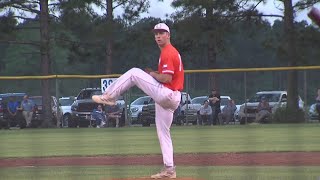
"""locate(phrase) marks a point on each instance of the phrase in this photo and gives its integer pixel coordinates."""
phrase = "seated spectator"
(263, 110)
(227, 113)
(13, 107)
(205, 113)
(113, 114)
(99, 116)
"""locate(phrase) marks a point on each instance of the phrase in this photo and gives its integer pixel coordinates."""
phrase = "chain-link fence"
(239, 84)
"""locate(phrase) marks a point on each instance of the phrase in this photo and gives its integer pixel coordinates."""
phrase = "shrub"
(288, 115)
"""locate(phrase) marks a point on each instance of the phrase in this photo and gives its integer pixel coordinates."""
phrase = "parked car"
(148, 111)
(191, 111)
(4, 121)
(197, 102)
(276, 99)
(38, 118)
(83, 106)
(65, 104)
(313, 114)
(136, 109)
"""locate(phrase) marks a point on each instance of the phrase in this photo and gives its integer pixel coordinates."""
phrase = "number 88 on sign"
(106, 82)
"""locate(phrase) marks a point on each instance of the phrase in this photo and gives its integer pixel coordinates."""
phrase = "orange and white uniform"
(167, 96)
(170, 63)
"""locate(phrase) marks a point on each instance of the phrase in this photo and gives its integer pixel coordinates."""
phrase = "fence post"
(59, 119)
(127, 111)
(187, 91)
(245, 97)
(305, 95)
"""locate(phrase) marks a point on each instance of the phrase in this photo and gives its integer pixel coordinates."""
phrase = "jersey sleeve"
(167, 64)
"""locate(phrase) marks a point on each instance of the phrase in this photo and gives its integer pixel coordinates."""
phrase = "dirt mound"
(147, 178)
(215, 159)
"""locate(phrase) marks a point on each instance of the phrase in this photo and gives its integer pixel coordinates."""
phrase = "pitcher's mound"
(147, 178)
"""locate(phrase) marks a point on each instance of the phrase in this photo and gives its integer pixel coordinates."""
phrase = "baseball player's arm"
(164, 78)
(148, 70)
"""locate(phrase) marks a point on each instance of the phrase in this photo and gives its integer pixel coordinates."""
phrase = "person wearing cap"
(163, 86)
(263, 110)
(205, 113)
(227, 112)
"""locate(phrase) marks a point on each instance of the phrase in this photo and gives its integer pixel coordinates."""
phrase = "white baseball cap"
(161, 26)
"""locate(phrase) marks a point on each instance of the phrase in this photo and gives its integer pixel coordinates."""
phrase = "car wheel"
(72, 123)
(146, 123)
(243, 121)
(66, 119)
(139, 118)
(179, 120)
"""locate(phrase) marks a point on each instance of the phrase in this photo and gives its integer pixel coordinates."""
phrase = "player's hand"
(148, 70)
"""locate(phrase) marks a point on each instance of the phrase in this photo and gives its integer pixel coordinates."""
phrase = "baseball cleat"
(166, 173)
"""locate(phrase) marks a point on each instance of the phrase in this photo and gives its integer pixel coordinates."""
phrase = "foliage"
(287, 115)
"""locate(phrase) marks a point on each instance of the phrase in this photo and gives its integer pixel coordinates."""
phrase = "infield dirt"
(215, 159)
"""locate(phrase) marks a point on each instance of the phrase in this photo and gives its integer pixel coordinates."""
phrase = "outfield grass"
(206, 173)
(143, 140)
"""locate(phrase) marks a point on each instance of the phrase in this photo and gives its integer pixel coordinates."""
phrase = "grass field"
(139, 140)
(207, 173)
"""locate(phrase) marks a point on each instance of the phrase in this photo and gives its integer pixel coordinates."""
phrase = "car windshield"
(37, 100)
(224, 101)
(198, 100)
(140, 101)
(4, 98)
(15, 98)
(66, 102)
(88, 94)
(269, 97)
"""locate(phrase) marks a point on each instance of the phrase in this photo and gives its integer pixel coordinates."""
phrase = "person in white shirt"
(205, 113)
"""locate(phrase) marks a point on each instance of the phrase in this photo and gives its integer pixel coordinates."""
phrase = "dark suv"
(4, 114)
(83, 106)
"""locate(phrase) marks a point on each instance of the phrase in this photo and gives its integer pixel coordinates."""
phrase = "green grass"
(207, 173)
(139, 140)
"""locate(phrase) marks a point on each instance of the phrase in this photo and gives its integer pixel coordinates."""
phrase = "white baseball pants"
(166, 100)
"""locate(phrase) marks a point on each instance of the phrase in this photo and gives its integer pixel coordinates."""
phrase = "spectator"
(205, 113)
(263, 110)
(99, 116)
(113, 113)
(318, 103)
(227, 113)
(27, 107)
(12, 111)
(214, 102)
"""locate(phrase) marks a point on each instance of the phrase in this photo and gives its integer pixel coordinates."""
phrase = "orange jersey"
(170, 63)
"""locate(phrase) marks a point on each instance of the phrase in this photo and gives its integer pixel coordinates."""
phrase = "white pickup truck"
(276, 99)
